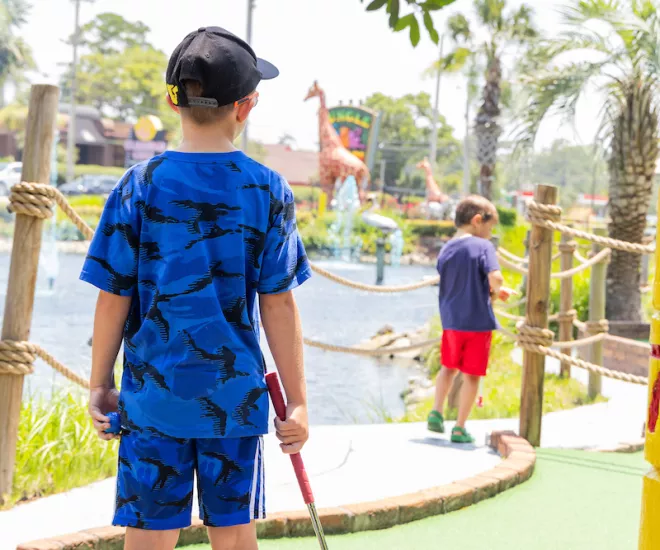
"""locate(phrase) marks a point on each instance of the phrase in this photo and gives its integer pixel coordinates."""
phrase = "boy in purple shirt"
(470, 278)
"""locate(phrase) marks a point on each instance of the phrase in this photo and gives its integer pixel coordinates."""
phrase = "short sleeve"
(112, 259)
(489, 261)
(285, 265)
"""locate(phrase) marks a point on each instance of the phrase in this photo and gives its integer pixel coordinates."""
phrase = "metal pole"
(434, 121)
(250, 11)
(71, 131)
(466, 145)
(380, 260)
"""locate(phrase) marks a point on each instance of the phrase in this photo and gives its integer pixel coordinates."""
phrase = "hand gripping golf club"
(277, 398)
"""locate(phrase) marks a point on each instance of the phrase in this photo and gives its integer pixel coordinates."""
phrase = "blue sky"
(350, 52)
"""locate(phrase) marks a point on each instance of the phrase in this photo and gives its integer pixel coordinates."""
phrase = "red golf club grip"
(277, 397)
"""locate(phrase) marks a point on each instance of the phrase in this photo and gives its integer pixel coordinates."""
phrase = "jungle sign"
(355, 128)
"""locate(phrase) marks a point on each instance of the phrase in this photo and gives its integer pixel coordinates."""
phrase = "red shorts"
(466, 351)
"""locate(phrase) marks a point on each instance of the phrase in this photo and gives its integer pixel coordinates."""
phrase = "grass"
(575, 500)
(501, 391)
(58, 448)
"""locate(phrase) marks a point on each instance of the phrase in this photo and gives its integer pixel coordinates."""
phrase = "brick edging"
(517, 467)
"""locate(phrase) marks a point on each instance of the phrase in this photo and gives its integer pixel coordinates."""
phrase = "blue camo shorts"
(156, 475)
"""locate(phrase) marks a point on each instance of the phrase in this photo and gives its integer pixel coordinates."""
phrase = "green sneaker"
(436, 423)
(460, 435)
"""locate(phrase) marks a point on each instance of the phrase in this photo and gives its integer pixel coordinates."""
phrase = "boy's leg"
(239, 537)
(139, 539)
(154, 489)
(467, 398)
(443, 383)
(474, 367)
(231, 484)
(451, 356)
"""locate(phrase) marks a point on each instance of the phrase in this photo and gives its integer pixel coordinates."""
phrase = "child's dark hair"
(470, 206)
(203, 115)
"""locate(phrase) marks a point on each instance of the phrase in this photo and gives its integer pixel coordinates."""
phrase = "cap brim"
(268, 70)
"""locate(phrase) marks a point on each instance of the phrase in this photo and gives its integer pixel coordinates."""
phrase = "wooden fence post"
(596, 313)
(566, 248)
(538, 299)
(39, 136)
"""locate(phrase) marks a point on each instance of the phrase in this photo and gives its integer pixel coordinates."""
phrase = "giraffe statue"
(336, 162)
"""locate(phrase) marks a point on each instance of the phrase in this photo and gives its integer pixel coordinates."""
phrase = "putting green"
(576, 500)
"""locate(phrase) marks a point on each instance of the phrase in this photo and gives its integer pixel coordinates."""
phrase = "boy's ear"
(243, 111)
(172, 106)
(476, 219)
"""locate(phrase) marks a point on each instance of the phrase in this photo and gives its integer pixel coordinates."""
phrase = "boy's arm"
(109, 319)
(495, 280)
(282, 326)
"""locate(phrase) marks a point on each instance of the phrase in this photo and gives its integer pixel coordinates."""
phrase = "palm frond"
(554, 91)
(454, 62)
(459, 28)
(521, 25)
(491, 13)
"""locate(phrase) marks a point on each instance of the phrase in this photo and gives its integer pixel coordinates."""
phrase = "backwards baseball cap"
(225, 66)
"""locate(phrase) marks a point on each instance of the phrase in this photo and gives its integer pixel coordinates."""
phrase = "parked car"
(10, 175)
(89, 185)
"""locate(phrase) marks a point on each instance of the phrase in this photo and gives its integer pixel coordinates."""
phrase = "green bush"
(58, 448)
(301, 193)
(508, 216)
(431, 228)
(89, 170)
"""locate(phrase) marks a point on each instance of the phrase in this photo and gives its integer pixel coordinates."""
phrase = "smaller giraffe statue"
(336, 162)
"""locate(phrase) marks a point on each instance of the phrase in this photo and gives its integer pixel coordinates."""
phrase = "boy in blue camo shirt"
(186, 243)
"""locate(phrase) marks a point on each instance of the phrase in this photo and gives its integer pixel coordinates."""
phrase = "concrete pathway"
(360, 463)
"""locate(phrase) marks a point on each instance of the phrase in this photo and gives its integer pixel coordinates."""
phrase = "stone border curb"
(517, 467)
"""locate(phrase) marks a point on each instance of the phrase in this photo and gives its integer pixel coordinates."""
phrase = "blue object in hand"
(115, 423)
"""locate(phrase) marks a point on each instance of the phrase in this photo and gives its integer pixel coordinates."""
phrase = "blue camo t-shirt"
(464, 264)
(192, 238)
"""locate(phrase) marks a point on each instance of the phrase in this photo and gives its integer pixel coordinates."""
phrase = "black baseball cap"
(225, 65)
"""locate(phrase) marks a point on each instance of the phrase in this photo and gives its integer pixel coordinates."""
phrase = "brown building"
(297, 167)
(99, 141)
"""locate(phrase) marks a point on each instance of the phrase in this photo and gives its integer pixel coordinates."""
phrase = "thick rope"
(432, 281)
(36, 199)
(602, 256)
(548, 216)
(371, 352)
(18, 358)
(511, 256)
(512, 265)
(597, 327)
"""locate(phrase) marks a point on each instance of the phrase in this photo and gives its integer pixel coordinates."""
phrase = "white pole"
(466, 145)
(71, 131)
(250, 11)
(434, 121)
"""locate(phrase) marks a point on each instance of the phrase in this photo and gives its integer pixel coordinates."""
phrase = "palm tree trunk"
(487, 129)
(632, 167)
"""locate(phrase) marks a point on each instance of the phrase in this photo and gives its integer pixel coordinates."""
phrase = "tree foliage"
(120, 72)
(15, 53)
(421, 14)
(405, 134)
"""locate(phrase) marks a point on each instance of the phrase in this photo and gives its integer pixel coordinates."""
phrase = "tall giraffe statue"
(335, 160)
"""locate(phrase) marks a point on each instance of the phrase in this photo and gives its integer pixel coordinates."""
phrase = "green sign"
(355, 127)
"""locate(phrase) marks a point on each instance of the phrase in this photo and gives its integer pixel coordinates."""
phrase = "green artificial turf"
(576, 500)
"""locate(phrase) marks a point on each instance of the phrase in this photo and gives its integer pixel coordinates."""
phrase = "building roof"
(298, 167)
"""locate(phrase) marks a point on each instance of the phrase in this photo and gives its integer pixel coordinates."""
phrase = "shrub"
(89, 170)
(508, 216)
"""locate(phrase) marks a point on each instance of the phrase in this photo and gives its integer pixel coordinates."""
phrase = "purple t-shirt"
(464, 264)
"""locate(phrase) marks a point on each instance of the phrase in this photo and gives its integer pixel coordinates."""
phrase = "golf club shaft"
(277, 397)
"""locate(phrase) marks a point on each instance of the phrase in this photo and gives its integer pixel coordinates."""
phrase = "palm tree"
(623, 48)
(503, 30)
(15, 54)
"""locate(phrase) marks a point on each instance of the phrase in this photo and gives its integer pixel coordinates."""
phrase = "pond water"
(342, 388)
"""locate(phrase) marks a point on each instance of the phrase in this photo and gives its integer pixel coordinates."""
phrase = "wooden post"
(538, 298)
(39, 136)
(596, 313)
(567, 248)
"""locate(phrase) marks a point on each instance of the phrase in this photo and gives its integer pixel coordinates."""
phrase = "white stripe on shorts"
(262, 488)
(255, 480)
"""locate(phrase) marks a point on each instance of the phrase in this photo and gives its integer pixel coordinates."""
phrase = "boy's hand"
(293, 433)
(505, 293)
(103, 400)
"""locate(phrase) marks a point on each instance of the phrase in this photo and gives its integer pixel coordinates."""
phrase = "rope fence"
(38, 200)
